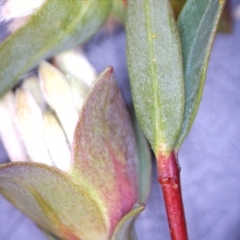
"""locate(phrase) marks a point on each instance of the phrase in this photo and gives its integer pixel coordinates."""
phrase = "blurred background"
(209, 157)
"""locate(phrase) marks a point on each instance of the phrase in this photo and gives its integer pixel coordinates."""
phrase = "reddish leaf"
(104, 150)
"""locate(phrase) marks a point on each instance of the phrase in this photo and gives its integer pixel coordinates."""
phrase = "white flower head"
(18, 11)
(43, 112)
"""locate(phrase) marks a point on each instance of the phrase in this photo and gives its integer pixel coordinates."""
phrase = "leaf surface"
(57, 26)
(124, 229)
(156, 72)
(104, 150)
(52, 200)
(197, 25)
(119, 10)
(145, 163)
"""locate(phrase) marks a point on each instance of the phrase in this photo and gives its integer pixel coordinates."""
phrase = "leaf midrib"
(153, 76)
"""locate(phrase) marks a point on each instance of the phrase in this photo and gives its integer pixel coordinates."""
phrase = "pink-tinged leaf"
(104, 150)
(54, 201)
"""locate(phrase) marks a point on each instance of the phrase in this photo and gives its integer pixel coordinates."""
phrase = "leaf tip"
(109, 70)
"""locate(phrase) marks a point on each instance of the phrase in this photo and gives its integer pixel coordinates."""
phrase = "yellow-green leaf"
(54, 201)
(125, 229)
(57, 26)
(197, 25)
(119, 10)
(156, 71)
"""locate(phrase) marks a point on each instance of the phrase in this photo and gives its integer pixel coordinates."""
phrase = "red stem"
(125, 2)
(169, 178)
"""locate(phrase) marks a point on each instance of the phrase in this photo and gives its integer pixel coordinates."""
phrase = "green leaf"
(52, 200)
(156, 72)
(145, 163)
(197, 25)
(104, 150)
(119, 10)
(124, 229)
(57, 26)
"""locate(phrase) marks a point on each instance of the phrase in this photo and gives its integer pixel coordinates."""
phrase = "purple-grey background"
(209, 157)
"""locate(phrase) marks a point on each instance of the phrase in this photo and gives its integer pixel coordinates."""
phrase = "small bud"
(75, 64)
(29, 122)
(9, 134)
(46, 110)
(56, 142)
(58, 94)
(79, 73)
(31, 84)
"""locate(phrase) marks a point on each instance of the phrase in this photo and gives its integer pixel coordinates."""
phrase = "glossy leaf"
(52, 200)
(124, 229)
(57, 26)
(145, 163)
(197, 25)
(104, 150)
(156, 73)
